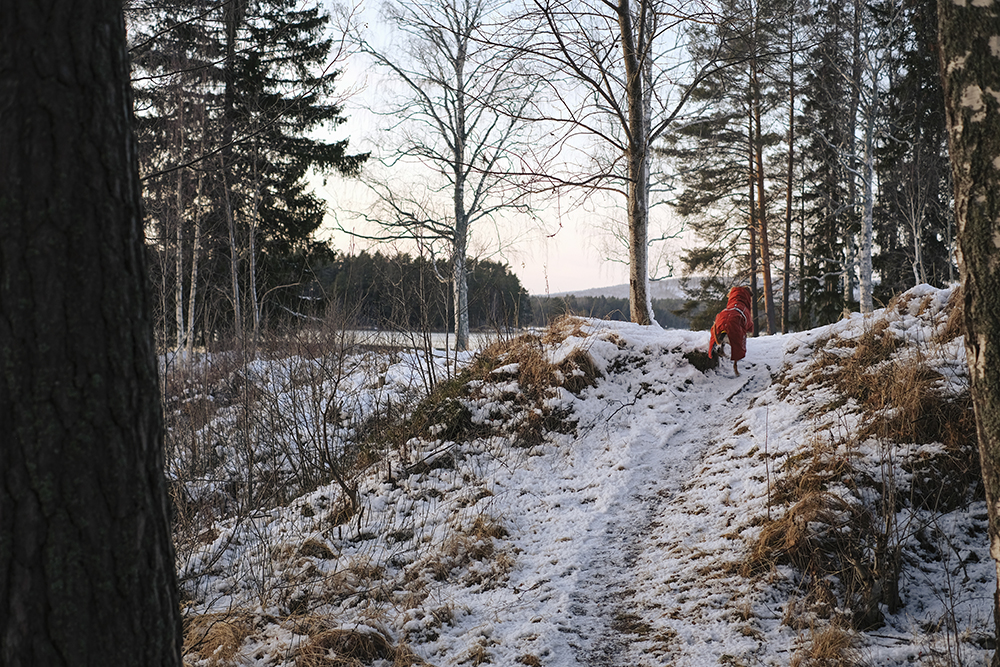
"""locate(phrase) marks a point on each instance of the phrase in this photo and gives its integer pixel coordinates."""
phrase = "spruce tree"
(832, 221)
(261, 78)
(916, 229)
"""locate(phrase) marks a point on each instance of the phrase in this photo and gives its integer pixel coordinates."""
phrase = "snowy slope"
(621, 535)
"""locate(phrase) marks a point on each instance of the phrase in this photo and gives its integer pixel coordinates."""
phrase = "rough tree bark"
(970, 69)
(86, 563)
(758, 149)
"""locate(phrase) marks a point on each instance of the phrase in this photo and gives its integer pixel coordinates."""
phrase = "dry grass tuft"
(352, 648)
(809, 473)
(216, 638)
(806, 536)
(955, 324)
(830, 647)
(485, 526)
(444, 415)
(563, 327)
(579, 371)
(313, 548)
(469, 554)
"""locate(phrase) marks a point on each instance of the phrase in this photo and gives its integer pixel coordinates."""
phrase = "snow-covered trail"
(624, 535)
(589, 551)
(669, 433)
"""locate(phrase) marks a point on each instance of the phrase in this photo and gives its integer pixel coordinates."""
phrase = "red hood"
(739, 296)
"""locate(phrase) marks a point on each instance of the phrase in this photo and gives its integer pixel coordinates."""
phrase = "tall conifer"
(263, 75)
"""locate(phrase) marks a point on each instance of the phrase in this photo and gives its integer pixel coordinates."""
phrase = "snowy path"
(589, 551)
(668, 445)
(623, 536)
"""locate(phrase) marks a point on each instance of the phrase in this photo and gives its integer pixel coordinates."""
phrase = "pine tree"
(722, 153)
(247, 86)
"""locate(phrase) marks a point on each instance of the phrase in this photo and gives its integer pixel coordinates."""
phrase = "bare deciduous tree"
(613, 73)
(460, 117)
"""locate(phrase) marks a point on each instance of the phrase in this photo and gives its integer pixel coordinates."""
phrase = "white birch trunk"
(461, 298)
(179, 264)
(867, 179)
(638, 169)
(252, 250)
(234, 260)
(195, 250)
(919, 275)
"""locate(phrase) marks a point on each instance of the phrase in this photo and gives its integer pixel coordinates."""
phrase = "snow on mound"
(585, 496)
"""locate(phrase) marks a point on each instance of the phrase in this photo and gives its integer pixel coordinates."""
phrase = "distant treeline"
(547, 308)
(380, 290)
(402, 291)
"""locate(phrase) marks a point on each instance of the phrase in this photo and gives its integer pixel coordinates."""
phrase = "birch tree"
(969, 34)
(460, 117)
(613, 72)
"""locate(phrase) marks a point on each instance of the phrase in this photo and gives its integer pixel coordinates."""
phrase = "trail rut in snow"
(663, 450)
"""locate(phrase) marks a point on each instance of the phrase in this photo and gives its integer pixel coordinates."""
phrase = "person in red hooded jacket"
(732, 326)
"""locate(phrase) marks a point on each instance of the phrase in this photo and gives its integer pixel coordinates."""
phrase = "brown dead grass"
(563, 327)
(955, 324)
(352, 648)
(442, 415)
(829, 647)
(454, 556)
(849, 563)
(806, 536)
(216, 638)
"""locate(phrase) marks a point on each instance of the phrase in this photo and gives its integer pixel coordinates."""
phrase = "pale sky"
(546, 261)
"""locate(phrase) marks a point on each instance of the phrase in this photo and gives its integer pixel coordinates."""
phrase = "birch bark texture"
(86, 562)
(969, 35)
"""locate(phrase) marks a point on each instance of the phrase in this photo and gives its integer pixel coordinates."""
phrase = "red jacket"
(735, 322)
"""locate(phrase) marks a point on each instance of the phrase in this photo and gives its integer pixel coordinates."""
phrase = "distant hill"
(668, 288)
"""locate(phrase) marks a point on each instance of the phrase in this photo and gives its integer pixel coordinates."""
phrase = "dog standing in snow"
(732, 326)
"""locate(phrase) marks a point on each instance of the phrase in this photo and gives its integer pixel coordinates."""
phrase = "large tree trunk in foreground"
(86, 562)
(970, 68)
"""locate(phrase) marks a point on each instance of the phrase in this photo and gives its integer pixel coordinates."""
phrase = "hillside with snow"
(587, 496)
